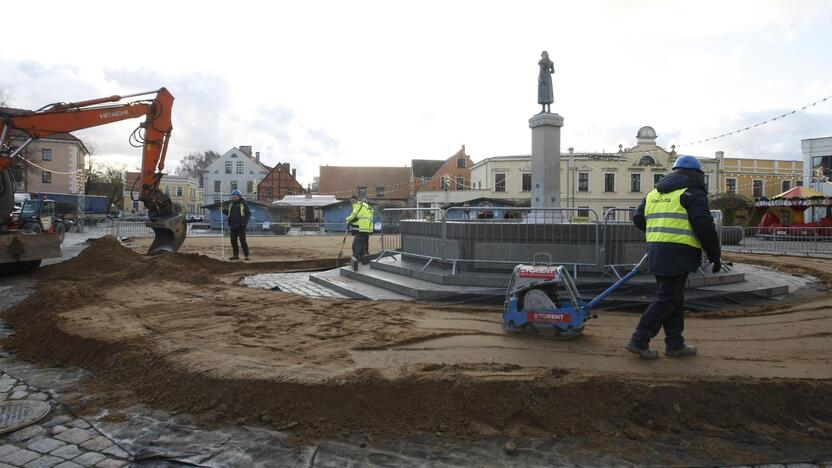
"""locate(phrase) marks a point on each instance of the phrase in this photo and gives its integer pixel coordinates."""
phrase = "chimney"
(294, 173)
(246, 150)
(257, 156)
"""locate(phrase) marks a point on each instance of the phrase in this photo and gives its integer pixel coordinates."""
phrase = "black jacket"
(237, 217)
(670, 259)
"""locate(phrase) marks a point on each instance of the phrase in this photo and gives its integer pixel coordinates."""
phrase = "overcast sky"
(380, 83)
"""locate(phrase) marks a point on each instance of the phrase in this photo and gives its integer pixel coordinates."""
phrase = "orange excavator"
(153, 135)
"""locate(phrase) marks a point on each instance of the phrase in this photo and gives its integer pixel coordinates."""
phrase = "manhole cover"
(17, 414)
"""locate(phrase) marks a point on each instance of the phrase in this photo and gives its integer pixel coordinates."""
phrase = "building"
(371, 182)
(453, 173)
(56, 160)
(279, 182)
(817, 163)
(236, 169)
(182, 190)
(591, 181)
(757, 178)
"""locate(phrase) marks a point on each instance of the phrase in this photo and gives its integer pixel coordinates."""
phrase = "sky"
(381, 83)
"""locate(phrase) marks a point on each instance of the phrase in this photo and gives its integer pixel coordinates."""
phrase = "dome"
(646, 133)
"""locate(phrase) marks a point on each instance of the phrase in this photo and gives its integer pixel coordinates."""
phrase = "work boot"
(234, 258)
(354, 264)
(642, 352)
(684, 350)
(246, 258)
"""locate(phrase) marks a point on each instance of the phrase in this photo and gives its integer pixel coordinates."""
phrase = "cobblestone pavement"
(297, 283)
(59, 440)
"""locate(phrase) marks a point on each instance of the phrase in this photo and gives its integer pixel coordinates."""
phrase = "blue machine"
(534, 305)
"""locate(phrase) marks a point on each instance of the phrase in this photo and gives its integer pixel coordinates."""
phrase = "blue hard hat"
(687, 162)
(237, 192)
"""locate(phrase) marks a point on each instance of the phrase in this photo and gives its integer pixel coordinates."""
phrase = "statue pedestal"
(545, 166)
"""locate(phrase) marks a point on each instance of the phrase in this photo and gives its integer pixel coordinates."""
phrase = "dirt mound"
(168, 330)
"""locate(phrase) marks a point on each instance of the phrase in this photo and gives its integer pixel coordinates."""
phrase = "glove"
(717, 266)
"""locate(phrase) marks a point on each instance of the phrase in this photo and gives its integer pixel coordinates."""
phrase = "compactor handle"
(545, 254)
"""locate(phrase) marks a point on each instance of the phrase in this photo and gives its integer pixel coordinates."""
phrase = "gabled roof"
(425, 167)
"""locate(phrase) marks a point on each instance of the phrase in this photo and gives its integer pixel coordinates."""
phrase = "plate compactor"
(535, 306)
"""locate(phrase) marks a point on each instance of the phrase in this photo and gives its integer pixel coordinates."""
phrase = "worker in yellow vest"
(361, 222)
(678, 224)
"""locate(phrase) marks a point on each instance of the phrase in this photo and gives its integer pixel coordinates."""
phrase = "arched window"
(647, 161)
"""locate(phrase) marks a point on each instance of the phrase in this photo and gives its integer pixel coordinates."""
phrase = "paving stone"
(116, 451)
(801, 465)
(7, 449)
(97, 443)
(19, 388)
(3, 465)
(20, 457)
(39, 396)
(18, 395)
(74, 435)
(62, 419)
(27, 433)
(46, 461)
(59, 428)
(68, 465)
(89, 459)
(111, 463)
(79, 423)
(67, 452)
(44, 445)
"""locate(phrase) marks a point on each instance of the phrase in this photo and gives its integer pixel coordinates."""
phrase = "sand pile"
(178, 338)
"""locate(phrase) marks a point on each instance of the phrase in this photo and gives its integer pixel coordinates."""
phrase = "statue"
(545, 94)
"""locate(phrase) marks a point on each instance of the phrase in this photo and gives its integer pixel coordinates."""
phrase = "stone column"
(545, 162)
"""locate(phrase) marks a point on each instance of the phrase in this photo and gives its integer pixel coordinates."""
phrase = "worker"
(678, 224)
(238, 216)
(360, 220)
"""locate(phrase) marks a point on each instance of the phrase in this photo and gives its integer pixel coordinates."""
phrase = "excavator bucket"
(170, 234)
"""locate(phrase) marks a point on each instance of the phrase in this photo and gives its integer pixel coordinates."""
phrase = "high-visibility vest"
(362, 216)
(667, 220)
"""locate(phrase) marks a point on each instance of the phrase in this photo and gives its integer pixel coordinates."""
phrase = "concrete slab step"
(417, 288)
(354, 288)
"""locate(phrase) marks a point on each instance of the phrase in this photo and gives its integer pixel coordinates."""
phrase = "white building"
(817, 164)
(236, 169)
(596, 181)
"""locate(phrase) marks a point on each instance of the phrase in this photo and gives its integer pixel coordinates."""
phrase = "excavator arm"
(153, 135)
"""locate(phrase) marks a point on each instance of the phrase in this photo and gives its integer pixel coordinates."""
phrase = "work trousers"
(666, 311)
(238, 233)
(361, 244)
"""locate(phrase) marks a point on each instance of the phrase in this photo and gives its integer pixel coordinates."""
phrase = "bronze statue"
(545, 94)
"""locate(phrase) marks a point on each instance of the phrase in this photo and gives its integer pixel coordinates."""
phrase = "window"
(228, 167)
(786, 185)
(757, 188)
(425, 180)
(479, 185)
(583, 181)
(646, 161)
(583, 211)
(217, 186)
(798, 183)
(46, 154)
(635, 182)
(604, 212)
(380, 191)
(233, 185)
(167, 191)
(731, 185)
(500, 182)
(821, 168)
(178, 191)
(460, 182)
(193, 193)
(527, 183)
(250, 186)
(707, 182)
(239, 167)
(443, 184)
(362, 191)
(657, 178)
(46, 177)
(269, 193)
(135, 206)
(609, 182)
(460, 163)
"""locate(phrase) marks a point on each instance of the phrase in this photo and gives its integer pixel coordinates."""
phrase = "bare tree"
(106, 180)
(194, 164)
